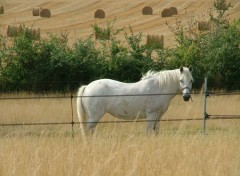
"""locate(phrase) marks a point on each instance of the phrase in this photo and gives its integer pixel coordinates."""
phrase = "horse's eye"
(181, 81)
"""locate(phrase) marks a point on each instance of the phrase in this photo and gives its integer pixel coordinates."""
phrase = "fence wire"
(113, 95)
(223, 93)
(99, 122)
(209, 117)
(219, 117)
(91, 96)
(72, 123)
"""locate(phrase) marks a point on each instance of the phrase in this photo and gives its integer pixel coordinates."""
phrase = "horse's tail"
(80, 111)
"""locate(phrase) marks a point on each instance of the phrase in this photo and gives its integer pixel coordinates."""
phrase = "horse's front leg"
(153, 123)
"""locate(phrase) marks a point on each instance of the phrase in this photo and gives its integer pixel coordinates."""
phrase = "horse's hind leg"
(92, 121)
(91, 125)
(153, 123)
(153, 127)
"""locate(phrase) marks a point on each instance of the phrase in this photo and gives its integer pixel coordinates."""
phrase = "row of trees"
(51, 65)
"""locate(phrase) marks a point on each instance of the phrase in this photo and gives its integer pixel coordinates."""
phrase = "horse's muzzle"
(186, 97)
(186, 94)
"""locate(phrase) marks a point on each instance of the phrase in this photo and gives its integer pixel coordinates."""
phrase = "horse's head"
(186, 81)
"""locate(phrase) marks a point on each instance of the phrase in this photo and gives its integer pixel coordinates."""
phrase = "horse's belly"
(132, 107)
(126, 112)
(127, 116)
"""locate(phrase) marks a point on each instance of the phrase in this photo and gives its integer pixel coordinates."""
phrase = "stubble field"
(119, 148)
(75, 17)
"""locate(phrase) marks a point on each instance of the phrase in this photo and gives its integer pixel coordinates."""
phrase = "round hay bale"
(102, 36)
(99, 13)
(203, 25)
(1, 10)
(13, 30)
(36, 11)
(221, 5)
(166, 13)
(36, 32)
(10, 31)
(147, 10)
(174, 10)
(33, 31)
(45, 13)
(155, 41)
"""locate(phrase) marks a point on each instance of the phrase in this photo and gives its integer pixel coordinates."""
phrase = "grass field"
(119, 149)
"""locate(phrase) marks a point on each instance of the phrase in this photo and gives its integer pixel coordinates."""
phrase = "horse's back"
(111, 87)
(123, 100)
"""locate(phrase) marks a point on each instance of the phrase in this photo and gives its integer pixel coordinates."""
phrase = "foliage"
(213, 53)
(51, 65)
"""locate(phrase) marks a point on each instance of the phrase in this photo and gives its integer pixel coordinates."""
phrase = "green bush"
(214, 53)
(19, 63)
(51, 65)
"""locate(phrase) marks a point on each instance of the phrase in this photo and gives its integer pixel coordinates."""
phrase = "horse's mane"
(163, 75)
(150, 74)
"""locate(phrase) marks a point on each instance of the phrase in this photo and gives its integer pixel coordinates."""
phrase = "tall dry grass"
(119, 149)
(137, 155)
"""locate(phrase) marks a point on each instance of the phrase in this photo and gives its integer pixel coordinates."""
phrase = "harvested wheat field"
(76, 17)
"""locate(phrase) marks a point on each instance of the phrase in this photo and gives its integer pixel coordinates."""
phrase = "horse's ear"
(181, 69)
(190, 68)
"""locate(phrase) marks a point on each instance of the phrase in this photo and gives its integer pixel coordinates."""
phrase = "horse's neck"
(171, 80)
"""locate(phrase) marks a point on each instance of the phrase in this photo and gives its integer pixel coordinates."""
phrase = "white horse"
(148, 98)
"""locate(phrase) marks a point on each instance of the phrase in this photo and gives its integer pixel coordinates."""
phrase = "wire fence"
(72, 122)
(90, 96)
(209, 117)
(217, 117)
(221, 116)
(99, 122)
(209, 94)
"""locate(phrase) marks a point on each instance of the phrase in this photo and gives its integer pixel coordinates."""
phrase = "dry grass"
(119, 149)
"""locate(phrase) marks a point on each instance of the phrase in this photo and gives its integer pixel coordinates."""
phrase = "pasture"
(119, 148)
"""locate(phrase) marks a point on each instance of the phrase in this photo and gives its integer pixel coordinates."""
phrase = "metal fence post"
(205, 105)
(72, 122)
